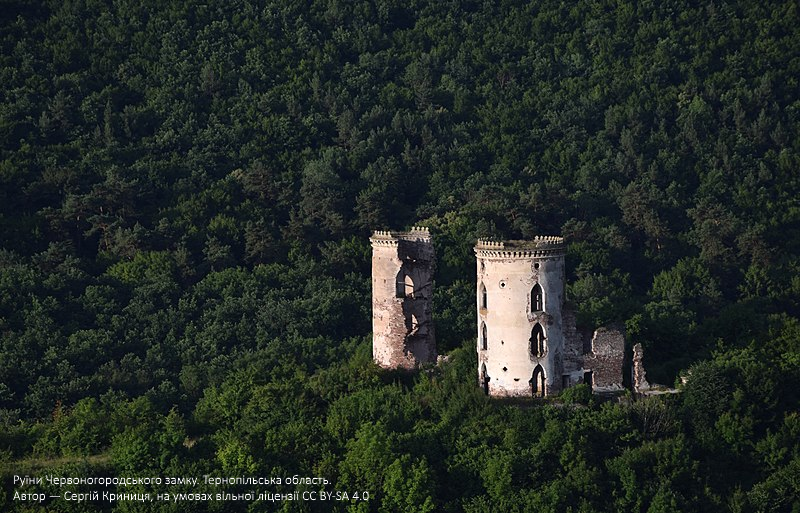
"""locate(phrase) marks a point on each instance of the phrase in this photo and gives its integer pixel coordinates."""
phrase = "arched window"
(405, 284)
(537, 340)
(537, 302)
(538, 382)
(484, 297)
(409, 285)
(484, 337)
(484, 379)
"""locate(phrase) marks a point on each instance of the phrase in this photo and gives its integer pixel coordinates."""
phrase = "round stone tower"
(402, 291)
(520, 297)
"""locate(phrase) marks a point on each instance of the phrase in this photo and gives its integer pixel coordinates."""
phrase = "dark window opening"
(409, 286)
(400, 284)
(537, 341)
(484, 337)
(587, 378)
(484, 297)
(404, 284)
(484, 379)
(537, 302)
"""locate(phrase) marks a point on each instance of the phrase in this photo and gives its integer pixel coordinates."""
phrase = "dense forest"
(186, 195)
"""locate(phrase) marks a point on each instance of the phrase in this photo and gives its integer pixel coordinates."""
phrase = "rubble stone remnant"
(640, 383)
(605, 360)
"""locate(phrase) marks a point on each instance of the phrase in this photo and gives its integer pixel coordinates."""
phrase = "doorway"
(587, 378)
(538, 382)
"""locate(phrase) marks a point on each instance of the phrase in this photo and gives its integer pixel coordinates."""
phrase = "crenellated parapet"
(488, 244)
(538, 247)
(391, 237)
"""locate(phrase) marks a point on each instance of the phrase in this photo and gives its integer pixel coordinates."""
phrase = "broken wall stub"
(606, 359)
(402, 291)
(574, 342)
(640, 383)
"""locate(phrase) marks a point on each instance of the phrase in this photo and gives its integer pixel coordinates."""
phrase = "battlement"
(540, 246)
(391, 237)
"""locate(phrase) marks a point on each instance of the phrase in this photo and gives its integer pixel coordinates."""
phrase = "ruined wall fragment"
(606, 359)
(639, 380)
(402, 291)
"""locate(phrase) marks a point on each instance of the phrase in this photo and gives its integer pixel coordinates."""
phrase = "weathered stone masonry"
(638, 374)
(605, 359)
(402, 289)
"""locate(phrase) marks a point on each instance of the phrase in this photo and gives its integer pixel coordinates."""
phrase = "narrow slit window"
(484, 338)
(484, 297)
(537, 303)
(400, 284)
(537, 340)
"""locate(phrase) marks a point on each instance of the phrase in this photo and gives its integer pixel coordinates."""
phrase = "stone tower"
(402, 289)
(520, 298)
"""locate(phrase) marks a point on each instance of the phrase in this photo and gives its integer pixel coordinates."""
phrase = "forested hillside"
(187, 191)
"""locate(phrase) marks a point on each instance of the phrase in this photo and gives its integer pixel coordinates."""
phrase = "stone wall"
(606, 359)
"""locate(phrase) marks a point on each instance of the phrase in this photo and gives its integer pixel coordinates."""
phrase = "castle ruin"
(402, 289)
(528, 343)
